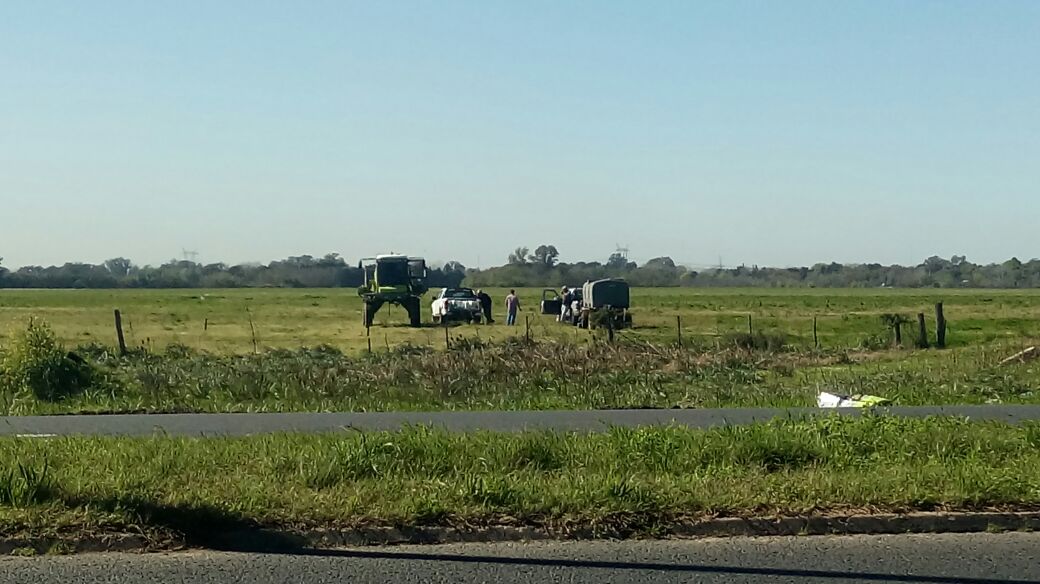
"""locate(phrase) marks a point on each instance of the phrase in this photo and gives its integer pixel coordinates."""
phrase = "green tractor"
(394, 279)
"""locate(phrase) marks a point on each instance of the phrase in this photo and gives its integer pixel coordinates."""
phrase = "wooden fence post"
(527, 328)
(252, 331)
(940, 326)
(922, 333)
(815, 335)
(447, 341)
(678, 329)
(119, 333)
(750, 329)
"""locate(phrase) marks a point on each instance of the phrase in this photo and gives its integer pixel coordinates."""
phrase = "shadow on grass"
(198, 525)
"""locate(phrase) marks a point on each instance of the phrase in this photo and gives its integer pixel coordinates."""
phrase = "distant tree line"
(526, 268)
(306, 271)
(541, 268)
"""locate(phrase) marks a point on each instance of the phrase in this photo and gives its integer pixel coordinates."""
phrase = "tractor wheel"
(414, 314)
(369, 310)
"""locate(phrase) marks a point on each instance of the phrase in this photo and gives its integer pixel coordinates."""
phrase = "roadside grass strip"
(640, 480)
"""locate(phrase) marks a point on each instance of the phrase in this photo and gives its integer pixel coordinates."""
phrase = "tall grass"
(628, 478)
(25, 483)
(515, 374)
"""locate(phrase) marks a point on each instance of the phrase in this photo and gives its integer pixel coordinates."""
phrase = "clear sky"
(770, 133)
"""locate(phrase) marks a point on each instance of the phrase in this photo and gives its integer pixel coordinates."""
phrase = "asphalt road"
(502, 421)
(936, 559)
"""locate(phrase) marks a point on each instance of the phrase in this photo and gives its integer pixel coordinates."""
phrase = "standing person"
(485, 305)
(565, 304)
(512, 306)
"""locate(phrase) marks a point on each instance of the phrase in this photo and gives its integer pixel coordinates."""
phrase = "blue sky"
(770, 133)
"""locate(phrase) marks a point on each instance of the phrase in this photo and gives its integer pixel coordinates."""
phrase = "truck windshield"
(392, 273)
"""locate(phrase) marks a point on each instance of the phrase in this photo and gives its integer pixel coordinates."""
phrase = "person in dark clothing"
(485, 305)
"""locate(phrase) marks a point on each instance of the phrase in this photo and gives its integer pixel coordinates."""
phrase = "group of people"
(568, 304)
(512, 306)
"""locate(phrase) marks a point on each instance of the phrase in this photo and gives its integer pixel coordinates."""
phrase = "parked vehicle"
(392, 279)
(605, 303)
(456, 305)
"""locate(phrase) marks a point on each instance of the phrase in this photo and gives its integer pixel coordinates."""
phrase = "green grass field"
(293, 318)
(312, 352)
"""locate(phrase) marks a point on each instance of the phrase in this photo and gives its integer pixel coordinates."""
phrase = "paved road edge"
(285, 541)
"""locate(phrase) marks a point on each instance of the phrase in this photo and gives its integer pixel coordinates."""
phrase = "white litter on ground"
(834, 400)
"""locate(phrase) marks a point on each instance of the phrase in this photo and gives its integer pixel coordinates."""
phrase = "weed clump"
(760, 341)
(875, 342)
(26, 485)
(36, 362)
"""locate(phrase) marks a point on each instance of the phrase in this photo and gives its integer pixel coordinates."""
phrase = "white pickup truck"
(456, 305)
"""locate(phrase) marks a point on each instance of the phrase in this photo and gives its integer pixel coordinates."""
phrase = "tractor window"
(392, 274)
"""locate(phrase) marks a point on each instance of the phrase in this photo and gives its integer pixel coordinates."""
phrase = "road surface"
(935, 559)
(502, 421)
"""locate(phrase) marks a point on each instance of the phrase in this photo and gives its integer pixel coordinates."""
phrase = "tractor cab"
(394, 275)
(417, 274)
